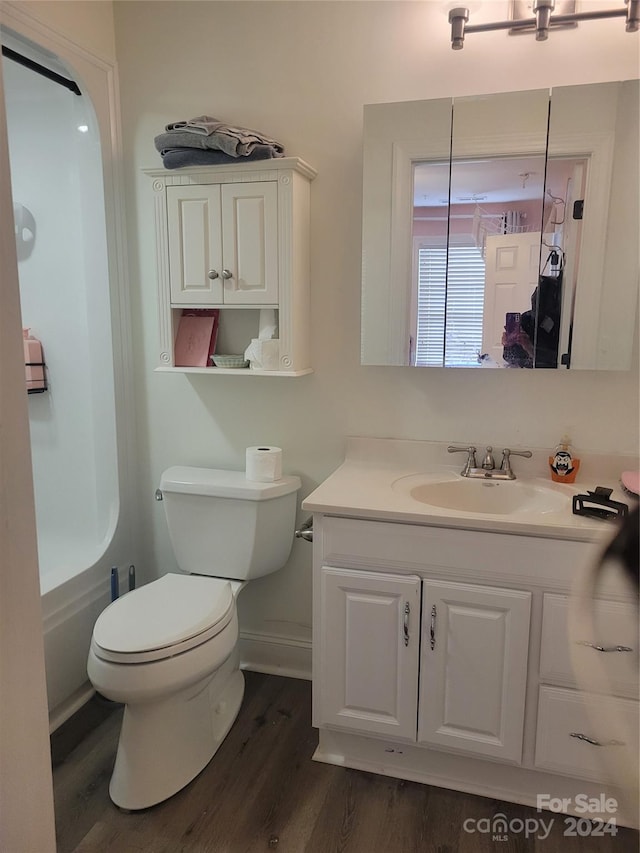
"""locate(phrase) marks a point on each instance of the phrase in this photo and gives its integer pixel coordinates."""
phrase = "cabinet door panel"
(369, 674)
(473, 680)
(195, 244)
(250, 242)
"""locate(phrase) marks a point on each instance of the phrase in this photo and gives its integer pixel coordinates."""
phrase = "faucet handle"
(527, 453)
(507, 453)
(471, 458)
(453, 449)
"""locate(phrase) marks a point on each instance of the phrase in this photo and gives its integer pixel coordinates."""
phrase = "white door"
(250, 243)
(571, 237)
(370, 634)
(195, 244)
(512, 263)
(474, 668)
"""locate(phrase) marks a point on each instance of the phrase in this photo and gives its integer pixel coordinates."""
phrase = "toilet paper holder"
(306, 530)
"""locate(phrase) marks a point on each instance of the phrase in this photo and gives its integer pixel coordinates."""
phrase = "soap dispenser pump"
(564, 465)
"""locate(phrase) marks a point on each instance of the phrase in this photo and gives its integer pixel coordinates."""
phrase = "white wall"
(87, 22)
(301, 71)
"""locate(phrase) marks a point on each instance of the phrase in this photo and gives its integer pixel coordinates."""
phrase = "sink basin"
(495, 497)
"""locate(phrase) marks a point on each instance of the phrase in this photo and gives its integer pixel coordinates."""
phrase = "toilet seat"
(162, 619)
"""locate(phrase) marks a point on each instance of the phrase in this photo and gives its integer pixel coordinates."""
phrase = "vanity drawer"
(615, 630)
(563, 714)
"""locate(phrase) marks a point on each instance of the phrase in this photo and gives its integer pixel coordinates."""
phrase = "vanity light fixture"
(542, 21)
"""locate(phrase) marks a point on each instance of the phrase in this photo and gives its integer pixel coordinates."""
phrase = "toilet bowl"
(168, 650)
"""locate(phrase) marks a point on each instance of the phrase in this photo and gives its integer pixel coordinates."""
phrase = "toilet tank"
(226, 526)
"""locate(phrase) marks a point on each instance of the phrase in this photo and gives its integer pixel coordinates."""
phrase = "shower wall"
(56, 175)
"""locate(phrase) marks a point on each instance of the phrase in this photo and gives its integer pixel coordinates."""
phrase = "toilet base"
(164, 745)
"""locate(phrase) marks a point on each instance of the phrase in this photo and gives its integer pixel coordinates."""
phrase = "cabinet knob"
(213, 274)
(227, 274)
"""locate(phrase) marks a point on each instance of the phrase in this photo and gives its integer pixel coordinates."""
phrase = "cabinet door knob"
(213, 274)
(407, 611)
(227, 274)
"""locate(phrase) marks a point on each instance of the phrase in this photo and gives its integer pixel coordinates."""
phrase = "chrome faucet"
(488, 470)
(488, 463)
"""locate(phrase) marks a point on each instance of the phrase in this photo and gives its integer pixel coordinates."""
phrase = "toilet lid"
(174, 611)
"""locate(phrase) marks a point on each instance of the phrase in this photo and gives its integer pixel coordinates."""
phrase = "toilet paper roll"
(264, 464)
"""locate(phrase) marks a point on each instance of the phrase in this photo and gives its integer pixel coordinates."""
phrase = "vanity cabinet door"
(369, 643)
(195, 244)
(474, 669)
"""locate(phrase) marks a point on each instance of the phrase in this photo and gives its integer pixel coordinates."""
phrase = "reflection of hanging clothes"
(542, 323)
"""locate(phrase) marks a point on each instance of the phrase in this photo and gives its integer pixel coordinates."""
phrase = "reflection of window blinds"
(465, 300)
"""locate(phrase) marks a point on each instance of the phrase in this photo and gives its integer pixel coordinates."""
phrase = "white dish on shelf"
(238, 361)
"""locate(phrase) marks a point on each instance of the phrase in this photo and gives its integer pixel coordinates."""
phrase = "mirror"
(498, 230)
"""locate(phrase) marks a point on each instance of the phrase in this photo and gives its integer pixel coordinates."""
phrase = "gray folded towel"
(177, 158)
(205, 125)
(207, 132)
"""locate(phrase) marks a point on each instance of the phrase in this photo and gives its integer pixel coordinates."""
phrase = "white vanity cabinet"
(235, 238)
(442, 655)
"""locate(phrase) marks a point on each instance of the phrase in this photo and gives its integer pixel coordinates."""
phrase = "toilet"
(168, 650)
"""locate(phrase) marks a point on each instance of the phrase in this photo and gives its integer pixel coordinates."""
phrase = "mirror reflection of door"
(507, 231)
(512, 261)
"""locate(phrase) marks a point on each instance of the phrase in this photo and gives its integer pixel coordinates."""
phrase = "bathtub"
(72, 600)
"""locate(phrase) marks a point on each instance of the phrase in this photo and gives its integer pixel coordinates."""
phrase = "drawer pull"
(593, 742)
(432, 630)
(407, 610)
(605, 648)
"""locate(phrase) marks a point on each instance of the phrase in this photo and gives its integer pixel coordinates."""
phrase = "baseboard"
(275, 655)
(61, 713)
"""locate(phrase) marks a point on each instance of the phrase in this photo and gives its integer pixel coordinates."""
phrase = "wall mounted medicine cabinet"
(515, 203)
(235, 238)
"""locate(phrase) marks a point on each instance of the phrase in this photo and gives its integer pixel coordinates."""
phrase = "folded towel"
(204, 125)
(177, 158)
(207, 132)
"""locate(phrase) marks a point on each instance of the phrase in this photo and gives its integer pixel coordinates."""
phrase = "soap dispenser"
(564, 465)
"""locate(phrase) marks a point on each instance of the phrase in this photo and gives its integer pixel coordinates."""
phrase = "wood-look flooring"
(263, 792)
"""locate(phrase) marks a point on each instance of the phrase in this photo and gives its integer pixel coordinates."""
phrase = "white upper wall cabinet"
(235, 237)
(223, 244)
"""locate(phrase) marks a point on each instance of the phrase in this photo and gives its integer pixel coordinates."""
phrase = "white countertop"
(362, 487)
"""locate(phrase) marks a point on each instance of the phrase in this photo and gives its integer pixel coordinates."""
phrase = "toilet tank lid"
(216, 482)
